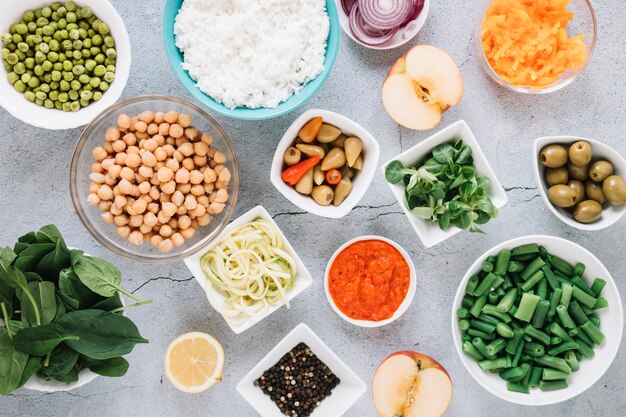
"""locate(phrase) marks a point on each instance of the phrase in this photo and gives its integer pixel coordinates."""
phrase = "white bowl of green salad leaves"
(62, 316)
(445, 185)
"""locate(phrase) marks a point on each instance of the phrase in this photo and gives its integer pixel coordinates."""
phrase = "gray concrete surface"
(34, 191)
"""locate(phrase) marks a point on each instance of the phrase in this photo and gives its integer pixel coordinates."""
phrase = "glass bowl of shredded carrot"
(536, 46)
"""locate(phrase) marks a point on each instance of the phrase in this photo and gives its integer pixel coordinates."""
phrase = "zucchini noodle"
(248, 271)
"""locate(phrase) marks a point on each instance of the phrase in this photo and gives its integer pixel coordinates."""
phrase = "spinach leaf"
(100, 276)
(61, 310)
(464, 155)
(61, 361)
(33, 277)
(101, 335)
(444, 153)
(49, 234)
(32, 365)
(41, 340)
(51, 264)
(7, 256)
(45, 302)
(12, 363)
(16, 279)
(70, 377)
(74, 293)
(395, 172)
(29, 258)
(114, 367)
(109, 304)
(75, 255)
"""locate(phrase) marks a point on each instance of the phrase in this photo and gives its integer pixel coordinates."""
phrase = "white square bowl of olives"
(587, 208)
(316, 192)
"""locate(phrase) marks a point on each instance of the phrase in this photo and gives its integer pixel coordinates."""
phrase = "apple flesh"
(420, 86)
(411, 384)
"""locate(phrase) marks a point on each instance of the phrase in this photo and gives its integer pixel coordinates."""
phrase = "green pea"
(67, 107)
(58, 66)
(46, 11)
(109, 77)
(97, 95)
(86, 12)
(62, 11)
(19, 86)
(86, 95)
(74, 35)
(97, 40)
(53, 95)
(19, 68)
(84, 103)
(79, 62)
(109, 61)
(68, 76)
(67, 65)
(82, 32)
(20, 55)
(47, 78)
(64, 85)
(54, 45)
(48, 30)
(42, 21)
(29, 95)
(47, 66)
(55, 6)
(86, 53)
(48, 104)
(109, 41)
(25, 78)
(73, 95)
(8, 67)
(23, 46)
(99, 70)
(40, 57)
(70, 17)
(5, 52)
(62, 23)
(104, 86)
(52, 56)
(87, 87)
(28, 16)
(39, 102)
(103, 28)
(67, 45)
(70, 6)
(63, 97)
(17, 38)
(91, 33)
(6, 38)
(21, 29)
(75, 106)
(78, 70)
(45, 87)
(38, 70)
(12, 77)
(41, 95)
(87, 43)
(30, 63)
(83, 79)
(95, 82)
(54, 85)
(33, 82)
(77, 44)
(75, 85)
(58, 105)
(12, 58)
(55, 17)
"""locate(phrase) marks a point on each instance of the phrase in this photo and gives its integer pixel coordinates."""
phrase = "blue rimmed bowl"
(175, 57)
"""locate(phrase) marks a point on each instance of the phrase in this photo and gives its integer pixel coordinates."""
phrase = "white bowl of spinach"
(445, 184)
(61, 316)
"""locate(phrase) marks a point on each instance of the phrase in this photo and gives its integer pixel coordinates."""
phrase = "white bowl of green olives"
(581, 181)
(47, 90)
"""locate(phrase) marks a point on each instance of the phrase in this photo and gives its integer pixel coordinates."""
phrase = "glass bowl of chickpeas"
(154, 178)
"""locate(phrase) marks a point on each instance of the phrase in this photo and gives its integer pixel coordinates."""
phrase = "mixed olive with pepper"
(322, 162)
(578, 181)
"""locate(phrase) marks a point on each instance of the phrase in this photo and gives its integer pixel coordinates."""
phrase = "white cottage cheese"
(252, 53)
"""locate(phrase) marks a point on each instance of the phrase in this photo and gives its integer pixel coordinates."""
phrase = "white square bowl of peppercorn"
(452, 163)
(301, 377)
(63, 62)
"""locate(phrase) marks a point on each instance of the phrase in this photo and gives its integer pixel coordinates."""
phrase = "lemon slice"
(194, 362)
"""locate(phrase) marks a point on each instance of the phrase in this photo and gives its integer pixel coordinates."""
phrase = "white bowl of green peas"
(537, 320)
(83, 89)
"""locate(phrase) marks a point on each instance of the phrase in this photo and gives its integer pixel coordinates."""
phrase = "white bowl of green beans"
(537, 320)
(105, 87)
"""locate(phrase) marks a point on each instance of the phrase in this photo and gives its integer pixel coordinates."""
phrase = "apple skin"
(423, 362)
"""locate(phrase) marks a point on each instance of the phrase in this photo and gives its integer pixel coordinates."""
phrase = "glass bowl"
(584, 22)
(80, 168)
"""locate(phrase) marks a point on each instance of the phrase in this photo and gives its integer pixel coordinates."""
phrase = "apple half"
(411, 384)
(420, 86)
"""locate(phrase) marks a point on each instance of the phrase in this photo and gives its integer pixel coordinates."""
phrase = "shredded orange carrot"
(526, 41)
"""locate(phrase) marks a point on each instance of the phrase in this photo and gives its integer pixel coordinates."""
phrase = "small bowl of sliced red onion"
(382, 24)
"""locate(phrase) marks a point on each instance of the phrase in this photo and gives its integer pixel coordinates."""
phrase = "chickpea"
(94, 187)
(108, 148)
(209, 175)
(186, 149)
(178, 198)
(142, 135)
(166, 245)
(161, 154)
(93, 199)
(120, 159)
(176, 131)
(225, 175)
(165, 230)
(188, 233)
(97, 167)
(173, 223)
(155, 193)
(105, 205)
(165, 198)
(144, 188)
(172, 164)
(105, 192)
(184, 221)
(191, 133)
(208, 188)
(206, 138)
(135, 220)
(169, 150)
(177, 239)
(190, 202)
(188, 164)
(212, 164)
(164, 129)
(182, 176)
(97, 178)
(200, 161)
(165, 174)
(182, 210)
(123, 121)
(127, 174)
(215, 208)
(196, 177)
(178, 156)
(200, 210)
(171, 117)
(150, 144)
(109, 180)
(204, 220)
(146, 230)
(139, 206)
(146, 116)
(130, 139)
(133, 160)
(221, 196)
(156, 240)
(98, 153)
(219, 157)
(112, 134)
(146, 172)
(148, 159)
(141, 127)
(150, 219)
(123, 232)
(136, 238)
(115, 210)
(169, 209)
(107, 217)
(120, 201)
(162, 218)
(125, 186)
(169, 188)
(184, 188)
(203, 199)
(114, 171)
(197, 190)
(119, 145)
(170, 141)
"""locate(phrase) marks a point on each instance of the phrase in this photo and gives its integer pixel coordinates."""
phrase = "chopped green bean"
(528, 249)
(576, 313)
(532, 268)
(554, 302)
(493, 364)
(526, 307)
(480, 333)
(472, 283)
(537, 334)
(593, 332)
(601, 303)
(583, 298)
(485, 284)
(462, 313)
(503, 330)
(552, 385)
(563, 347)
(516, 266)
(492, 310)
(518, 353)
(496, 346)
(481, 347)
(534, 349)
(563, 266)
(511, 386)
(540, 313)
(566, 294)
(502, 262)
(535, 376)
(579, 269)
(565, 318)
(511, 346)
(552, 281)
(550, 374)
(507, 301)
(572, 360)
(597, 286)
(532, 280)
(482, 326)
(487, 266)
(470, 350)
(553, 362)
(479, 303)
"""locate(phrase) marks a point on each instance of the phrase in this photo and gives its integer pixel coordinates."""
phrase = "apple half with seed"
(411, 384)
(420, 86)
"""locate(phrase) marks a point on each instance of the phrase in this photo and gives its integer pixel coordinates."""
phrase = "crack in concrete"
(158, 279)
(385, 214)
(520, 188)
(289, 213)
(298, 213)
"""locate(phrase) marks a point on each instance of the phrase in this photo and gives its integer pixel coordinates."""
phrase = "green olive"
(594, 191)
(614, 188)
(600, 170)
(579, 187)
(562, 196)
(553, 156)
(588, 211)
(580, 153)
(556, 176)
(578, 172)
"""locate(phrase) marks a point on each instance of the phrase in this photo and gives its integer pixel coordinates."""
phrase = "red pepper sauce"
(368, 280)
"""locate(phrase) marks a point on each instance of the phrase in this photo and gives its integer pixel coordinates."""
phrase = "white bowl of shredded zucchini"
(250, 270)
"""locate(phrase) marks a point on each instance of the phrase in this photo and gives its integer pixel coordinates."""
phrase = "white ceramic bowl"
(15, 103)
(400, 38)
(610, 212)
(303, 277)
(429, 233)
(408, 299)
(590, 369)
(361, 180)
(342, 397)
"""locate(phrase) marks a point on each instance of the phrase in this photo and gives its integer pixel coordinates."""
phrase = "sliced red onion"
(347, 5)
(386, 14)
(368, 34)
(418, 6)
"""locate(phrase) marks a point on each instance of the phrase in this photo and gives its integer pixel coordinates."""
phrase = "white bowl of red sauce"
(370, 281)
